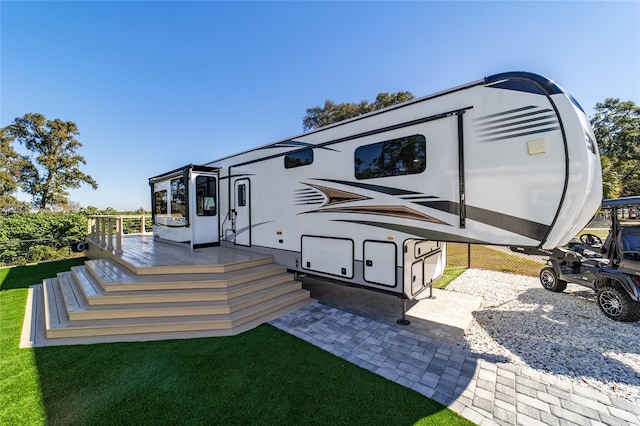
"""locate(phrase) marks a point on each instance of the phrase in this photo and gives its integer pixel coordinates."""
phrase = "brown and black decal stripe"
(389, 190)
(338, 196)
(427, 234)
(524, 227)
(402, 212)
(517, 225)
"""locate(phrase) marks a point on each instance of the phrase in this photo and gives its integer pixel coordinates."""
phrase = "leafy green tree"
(386, 99)
(90, 211)
(611, 184)
(616, 125)
(13, 168)
(55, 159)
(110, 211)
(332, 112)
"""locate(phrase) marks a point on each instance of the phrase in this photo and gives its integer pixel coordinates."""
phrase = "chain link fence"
(495, 258)
(498, 258)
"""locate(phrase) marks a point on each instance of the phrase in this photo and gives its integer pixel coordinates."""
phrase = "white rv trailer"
(508, 160)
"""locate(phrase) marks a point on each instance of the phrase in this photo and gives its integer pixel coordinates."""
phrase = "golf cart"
(611, 268)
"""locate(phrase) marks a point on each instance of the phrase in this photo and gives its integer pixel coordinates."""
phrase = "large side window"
(396, 157)
(178, 197)
(160, 202)
(206, 195)
(299, 158)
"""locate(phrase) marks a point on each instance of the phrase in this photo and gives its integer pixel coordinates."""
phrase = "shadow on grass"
(20, 398)
(263, 376)
(25, 276)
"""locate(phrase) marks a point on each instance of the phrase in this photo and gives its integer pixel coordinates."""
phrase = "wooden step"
(34, 332)
(53, 304)
(58, 324)
(95, 294)
(78, 308)
(113, 277)
(105, 301)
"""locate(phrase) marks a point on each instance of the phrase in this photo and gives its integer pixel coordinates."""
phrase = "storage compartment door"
(424, 262)
(417, 277)
(380, 263)
(333, 256)
(434, 265)
(424, 247)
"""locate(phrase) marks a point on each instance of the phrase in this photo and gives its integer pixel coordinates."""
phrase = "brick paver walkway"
(480, 390)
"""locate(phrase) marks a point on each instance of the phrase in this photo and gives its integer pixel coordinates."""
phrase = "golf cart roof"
(620, 202)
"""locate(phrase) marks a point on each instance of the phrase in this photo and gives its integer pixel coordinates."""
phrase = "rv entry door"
(242, 207)
(203, 209)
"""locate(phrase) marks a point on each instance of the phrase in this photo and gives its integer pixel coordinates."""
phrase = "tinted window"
(206, 195)
(630, 239)
(160, 202)
(297, 159)
(242, 195)
(178, 197)
(396, 157)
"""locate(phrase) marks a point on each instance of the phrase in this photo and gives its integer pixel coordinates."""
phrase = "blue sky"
(154, 86)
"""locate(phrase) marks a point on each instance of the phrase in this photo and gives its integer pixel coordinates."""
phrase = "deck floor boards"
(142, 253)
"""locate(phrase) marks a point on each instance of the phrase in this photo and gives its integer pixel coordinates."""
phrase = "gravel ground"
(564, 334)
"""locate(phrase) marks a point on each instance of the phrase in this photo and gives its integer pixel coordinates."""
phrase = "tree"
(332, 113)
(90, 211)
(611, 183)
(13, 168)
(616, 125)
(55, 160)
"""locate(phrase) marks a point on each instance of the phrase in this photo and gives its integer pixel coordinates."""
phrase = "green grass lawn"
(450, 273)
(263, 376)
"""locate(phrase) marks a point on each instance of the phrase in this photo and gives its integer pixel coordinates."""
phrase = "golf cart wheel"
(550, 281)
(616, 303)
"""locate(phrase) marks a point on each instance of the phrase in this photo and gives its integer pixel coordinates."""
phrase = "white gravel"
(564, 334)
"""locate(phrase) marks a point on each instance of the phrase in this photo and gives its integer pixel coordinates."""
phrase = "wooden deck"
(143, 255)
(157, 291)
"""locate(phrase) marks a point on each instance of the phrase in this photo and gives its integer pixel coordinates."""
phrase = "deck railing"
(107, 231)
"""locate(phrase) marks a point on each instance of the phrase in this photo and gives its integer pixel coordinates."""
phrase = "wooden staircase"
(104, 301)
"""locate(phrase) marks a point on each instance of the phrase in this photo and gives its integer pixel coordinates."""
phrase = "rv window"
(297, 159)
(178, 196)
(402, 156)
(206, 195)
(160, 201)
(242, 195)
